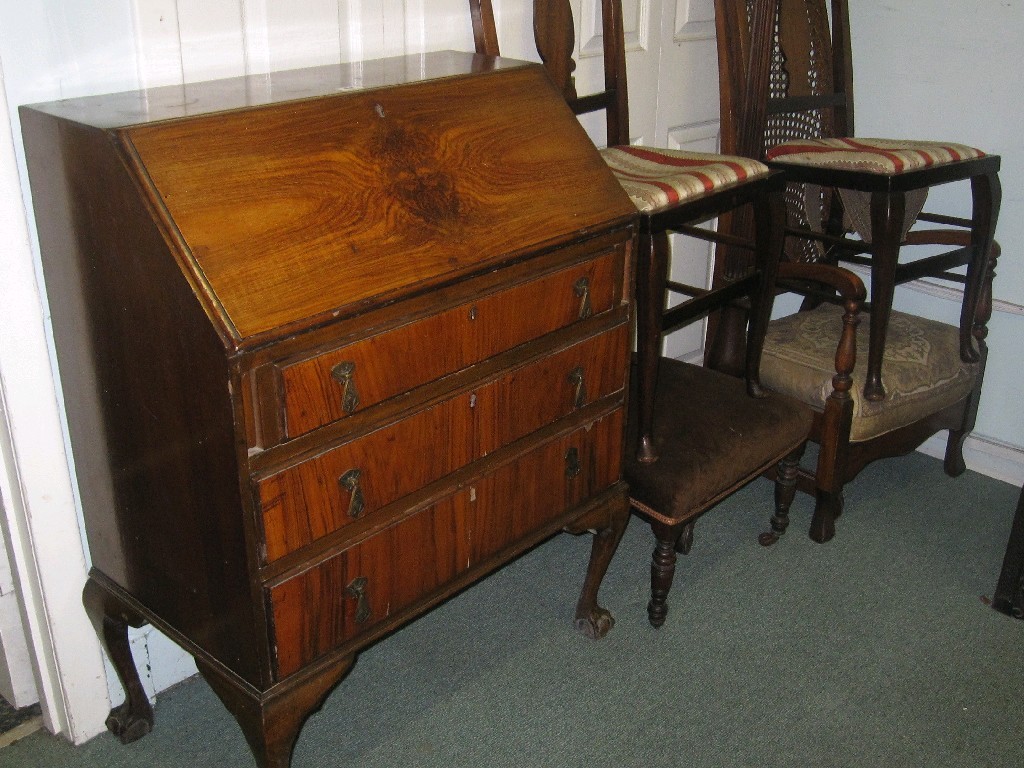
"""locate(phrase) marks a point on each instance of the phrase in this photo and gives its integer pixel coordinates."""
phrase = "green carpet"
(873, 650)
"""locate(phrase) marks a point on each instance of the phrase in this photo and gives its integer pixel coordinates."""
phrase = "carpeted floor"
(876, 649)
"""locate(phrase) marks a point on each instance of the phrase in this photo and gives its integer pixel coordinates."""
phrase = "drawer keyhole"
(576, 380)
(582, 290)
(344, 373)
(572, 463)
(357, 589)
(350, 482)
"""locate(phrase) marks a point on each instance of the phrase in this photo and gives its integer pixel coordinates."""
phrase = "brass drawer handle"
(582, 289)
(576, 380)
(572, 463)
(344, 373)
(350, 482)
(357, 589)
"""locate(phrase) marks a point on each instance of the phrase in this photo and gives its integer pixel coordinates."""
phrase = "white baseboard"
(984, 455)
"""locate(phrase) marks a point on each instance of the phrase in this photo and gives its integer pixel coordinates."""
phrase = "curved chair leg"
(608, 523)
(271, 722)
(887, 210)
(651, 278)
(785, 491)
(828, 506)
(111, 618)
(954, 464)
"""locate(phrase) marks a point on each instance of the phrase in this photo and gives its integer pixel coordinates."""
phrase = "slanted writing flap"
(370, 195)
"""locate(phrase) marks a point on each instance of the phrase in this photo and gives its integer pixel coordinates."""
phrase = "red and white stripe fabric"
(661, 178)
(883, 156)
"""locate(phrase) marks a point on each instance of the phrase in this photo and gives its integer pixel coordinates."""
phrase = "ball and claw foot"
(127, 726)
(768, 538)
(596, 625)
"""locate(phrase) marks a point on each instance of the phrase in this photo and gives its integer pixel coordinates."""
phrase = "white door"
(17, 681)
(687, 118)
(672, 73)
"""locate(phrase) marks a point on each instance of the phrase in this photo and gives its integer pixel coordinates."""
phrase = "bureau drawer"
(388, 573)
(319, 390)
(304, 502)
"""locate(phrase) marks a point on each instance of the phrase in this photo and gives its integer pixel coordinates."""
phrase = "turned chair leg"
(670, 539)
(785, 491)
(111, 618)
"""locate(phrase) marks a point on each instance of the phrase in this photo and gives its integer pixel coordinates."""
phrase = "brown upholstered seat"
(707, 426)
(712, 436)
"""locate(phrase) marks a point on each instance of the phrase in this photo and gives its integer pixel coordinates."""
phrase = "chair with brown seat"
(786, 90)
(696, 435)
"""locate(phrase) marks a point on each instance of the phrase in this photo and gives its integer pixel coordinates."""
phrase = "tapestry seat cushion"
(921, 369)
(656, 179)
(705, 427)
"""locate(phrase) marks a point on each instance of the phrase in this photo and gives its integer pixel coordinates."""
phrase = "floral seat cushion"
(656, 179)
(921, 370)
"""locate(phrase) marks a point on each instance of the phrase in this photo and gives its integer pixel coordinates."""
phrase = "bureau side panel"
(147, 390)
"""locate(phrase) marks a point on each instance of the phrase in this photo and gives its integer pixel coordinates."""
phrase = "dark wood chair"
(699, 434)
(786, 97)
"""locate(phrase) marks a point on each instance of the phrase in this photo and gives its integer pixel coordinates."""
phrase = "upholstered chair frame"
(785, 74)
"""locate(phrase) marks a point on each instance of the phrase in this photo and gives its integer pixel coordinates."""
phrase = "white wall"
(57, 48)
(928, 69)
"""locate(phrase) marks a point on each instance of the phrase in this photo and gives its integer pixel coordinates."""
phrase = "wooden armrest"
(846, 283)
(852, 292)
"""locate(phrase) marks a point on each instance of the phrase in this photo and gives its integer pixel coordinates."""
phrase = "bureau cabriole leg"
(608, 523)
(111, 618)
(271, 721)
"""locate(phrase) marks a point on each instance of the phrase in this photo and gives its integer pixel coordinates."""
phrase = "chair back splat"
(786, 85)
(696, 434)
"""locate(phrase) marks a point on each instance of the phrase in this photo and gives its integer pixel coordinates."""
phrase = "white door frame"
(41, 522)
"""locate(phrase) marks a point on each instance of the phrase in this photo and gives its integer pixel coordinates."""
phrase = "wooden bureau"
(334, 344)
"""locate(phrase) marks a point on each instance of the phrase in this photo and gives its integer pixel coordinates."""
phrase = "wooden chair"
(699, 434)
(786, 97)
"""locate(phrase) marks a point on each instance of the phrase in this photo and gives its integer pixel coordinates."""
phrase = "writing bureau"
(334, 343)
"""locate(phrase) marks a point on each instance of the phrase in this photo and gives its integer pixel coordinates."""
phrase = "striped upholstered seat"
(884, 156)
(656, 179)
